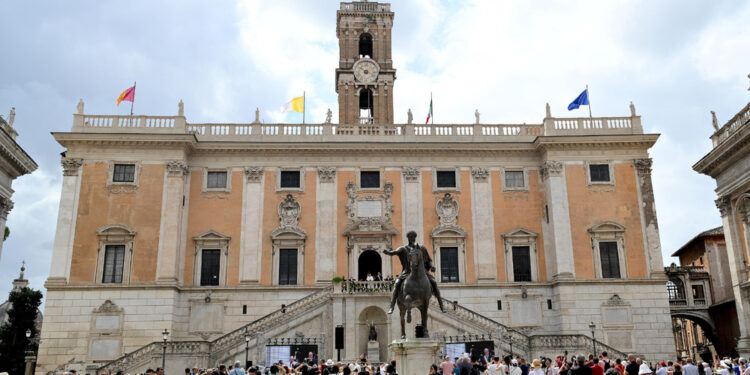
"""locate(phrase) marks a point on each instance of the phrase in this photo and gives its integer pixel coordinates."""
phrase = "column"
(170, 236)
(560, 256)
(5, 206)
(62, 249)
(325, 225)
(649, 223)
(483, 224)
(737, 272)
(252, 225)
(412, 203)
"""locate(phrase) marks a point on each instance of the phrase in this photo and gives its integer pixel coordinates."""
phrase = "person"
(643, 369)
(536, 367)
(446, 367)
(605, 361)
(661, 368)
(513, 369)
(402, 253)
(707, 369)
(677, 369)
(596, 367)
(724, 367)
(379, 277)
(311, 358)
(632, 367)
(237, 369)
(485, 358)
(222, 370)
(495, 367)
(580, 368)
(433, 369)
(620, 367)
(369, 277)
(689, 368)
(524, 367)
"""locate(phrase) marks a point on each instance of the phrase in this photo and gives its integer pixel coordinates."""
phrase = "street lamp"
(247, 345)
(28, 333)
(592, 327)
(165, 336)
(510, 340)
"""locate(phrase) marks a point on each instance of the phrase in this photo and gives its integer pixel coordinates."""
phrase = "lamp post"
(510, 340)
(30, 358)
(247, 345)
(592, 327)
(165, 336)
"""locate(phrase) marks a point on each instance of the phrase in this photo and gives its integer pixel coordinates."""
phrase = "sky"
(675, 60)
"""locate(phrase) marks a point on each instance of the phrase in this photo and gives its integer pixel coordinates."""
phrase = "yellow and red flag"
(127, 96)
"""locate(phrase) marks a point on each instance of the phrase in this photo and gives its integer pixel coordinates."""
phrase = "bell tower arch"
(365, 66)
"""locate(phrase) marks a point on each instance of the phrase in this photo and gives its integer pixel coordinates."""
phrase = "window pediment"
(115, 233)
(211, 238)
(288, 233)
(606, 227)
(520, 233)
(448, 231)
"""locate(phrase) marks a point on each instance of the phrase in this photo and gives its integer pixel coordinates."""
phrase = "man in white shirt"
(689, 368)
(494, 367)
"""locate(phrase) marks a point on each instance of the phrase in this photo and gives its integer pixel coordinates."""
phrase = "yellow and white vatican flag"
(297, 105)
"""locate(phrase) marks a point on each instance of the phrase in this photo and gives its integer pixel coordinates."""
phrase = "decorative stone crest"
(289, 211)
(70, 166)
(253, 174)
(724, 205)
(447, 210)
(550, 168)
(108, 307)
(615, 300)
(480, 174)
(177, 168)
(5, 206)
(327, 174)
(376, 211)
(643, 166)
(411, 174)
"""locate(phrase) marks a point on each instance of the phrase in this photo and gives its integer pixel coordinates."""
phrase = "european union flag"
(582, 99)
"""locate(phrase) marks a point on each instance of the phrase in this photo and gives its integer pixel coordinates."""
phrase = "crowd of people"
(488, 364)
(485, 364)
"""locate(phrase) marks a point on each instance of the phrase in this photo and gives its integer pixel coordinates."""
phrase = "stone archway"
(378, 317)
(369, 262)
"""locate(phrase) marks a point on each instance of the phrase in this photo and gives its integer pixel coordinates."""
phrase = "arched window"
(365, 107)
(365, 45)
(676, 291)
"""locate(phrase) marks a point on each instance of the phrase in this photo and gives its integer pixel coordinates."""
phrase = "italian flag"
(429, 114)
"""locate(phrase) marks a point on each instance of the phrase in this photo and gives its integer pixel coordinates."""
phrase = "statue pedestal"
(373, 351)
(414, 356)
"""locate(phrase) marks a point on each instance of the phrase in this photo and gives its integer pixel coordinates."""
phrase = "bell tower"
(365, 76)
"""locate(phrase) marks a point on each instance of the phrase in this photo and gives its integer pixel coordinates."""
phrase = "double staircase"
(222, 348)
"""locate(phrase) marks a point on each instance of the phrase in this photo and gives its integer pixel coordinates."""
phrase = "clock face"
(366, 71)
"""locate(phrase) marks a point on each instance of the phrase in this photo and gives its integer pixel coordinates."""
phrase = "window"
(499, 304)
(210, 267)
(675, 291)
(599, 172)
(699, 298)
(366, 107)
(216, 180)
(449, 264)
(369, 179)
(514, 180)
(290, 180)
(114, 261)
(446, 179)
(521, 263)
(365, 45)
(609, 260)
(123, 173)
(288, 267)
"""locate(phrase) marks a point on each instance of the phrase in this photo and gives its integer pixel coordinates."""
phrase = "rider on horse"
(402, 253)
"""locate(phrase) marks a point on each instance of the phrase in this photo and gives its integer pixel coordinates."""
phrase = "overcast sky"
(675, 60)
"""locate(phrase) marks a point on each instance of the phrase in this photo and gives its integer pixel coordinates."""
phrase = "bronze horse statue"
(416, 291)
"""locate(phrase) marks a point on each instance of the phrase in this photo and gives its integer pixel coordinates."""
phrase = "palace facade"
(234, 237)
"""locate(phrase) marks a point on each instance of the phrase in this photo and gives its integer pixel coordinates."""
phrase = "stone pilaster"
(649, 223)
(737, 272)
(412, 202)
(170, 237)
(62, 248)
(483, 225)
(252, 223)
(325, 225)
(560, 246)
(5, 206)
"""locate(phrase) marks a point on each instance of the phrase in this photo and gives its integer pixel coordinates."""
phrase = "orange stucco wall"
(518, 209)
(221, 212)
(592, 205)
(98, 207)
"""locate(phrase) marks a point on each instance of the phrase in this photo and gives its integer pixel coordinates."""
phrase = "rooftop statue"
(476, 114)
(415, 286)
(329, 114)
(714, 122)
(12, 116)
(257, 116)
(80, 106)
(409, 117)
(180, 108)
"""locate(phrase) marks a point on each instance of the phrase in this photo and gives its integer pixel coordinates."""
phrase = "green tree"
(13, 341)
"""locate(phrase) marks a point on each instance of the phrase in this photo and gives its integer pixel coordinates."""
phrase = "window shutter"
(288, 267)
(114, 261)
(210, 267)
(610, 260)
(449, 264)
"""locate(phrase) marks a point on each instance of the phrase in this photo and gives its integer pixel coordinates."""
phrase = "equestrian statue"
(415, 286)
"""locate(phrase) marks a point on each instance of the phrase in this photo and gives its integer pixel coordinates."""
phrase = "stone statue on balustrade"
(329, 114)
(80, 106)
(714, 121)
(180, 108)
(257, 116)
(409, 117)
(12, 116)
(476, 115)
(415, 286)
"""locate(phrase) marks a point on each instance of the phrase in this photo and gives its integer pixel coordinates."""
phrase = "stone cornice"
(637, 141)
(124, 139)
(15, 156)
(724, 154)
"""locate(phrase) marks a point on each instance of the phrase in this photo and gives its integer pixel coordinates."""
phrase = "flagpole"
(432, 110)
(303, 107)
(588, 97)
(132, 101)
